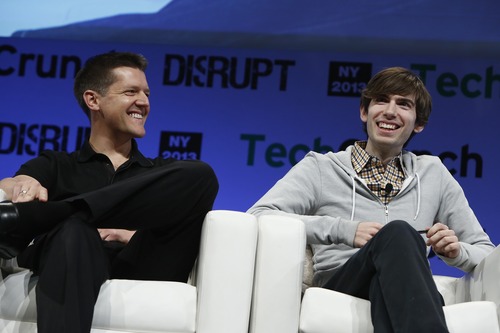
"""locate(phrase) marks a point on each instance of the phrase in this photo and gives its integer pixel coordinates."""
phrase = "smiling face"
(390, 121)
(121, 112)
(394, 105)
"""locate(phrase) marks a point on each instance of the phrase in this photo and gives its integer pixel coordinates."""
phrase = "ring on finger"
(23, 192)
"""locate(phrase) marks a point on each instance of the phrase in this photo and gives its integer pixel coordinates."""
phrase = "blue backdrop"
(267, 90)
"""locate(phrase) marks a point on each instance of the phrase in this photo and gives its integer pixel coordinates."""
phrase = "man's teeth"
(136, 115)
(387, 126)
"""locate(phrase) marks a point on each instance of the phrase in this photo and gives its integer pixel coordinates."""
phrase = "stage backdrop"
(252, 114)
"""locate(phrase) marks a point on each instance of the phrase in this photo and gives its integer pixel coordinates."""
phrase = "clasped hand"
(441, 238)
(118, 235)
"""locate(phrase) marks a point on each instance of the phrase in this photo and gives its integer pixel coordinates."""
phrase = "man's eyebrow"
(135, 87)
(407, 100)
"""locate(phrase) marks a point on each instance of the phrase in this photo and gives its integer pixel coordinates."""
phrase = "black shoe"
(8, 216)
(10, 243)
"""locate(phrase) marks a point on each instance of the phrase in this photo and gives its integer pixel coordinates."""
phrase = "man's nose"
(391, 109)
(143, 99)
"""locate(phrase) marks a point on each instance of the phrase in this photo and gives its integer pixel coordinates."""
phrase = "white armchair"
(471, 301)
(216, 300)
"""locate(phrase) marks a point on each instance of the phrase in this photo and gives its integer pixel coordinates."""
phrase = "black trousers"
(392, 271)
(166, 206)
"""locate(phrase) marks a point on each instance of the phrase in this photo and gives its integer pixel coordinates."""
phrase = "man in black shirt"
(104, 211)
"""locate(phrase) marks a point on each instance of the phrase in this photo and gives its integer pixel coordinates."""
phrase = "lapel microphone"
(388, 188)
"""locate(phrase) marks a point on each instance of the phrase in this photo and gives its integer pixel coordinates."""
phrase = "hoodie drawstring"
(418, 196)
(353, 198)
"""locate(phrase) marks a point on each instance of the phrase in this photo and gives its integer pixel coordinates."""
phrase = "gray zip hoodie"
(324, 191)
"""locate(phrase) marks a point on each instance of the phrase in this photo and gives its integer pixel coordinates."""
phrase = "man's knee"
(199, 177)
(399, 226)
(198, 170)
(75, 234)
(399, 231)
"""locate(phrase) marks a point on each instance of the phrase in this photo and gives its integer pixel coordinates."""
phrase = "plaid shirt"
(376, 176)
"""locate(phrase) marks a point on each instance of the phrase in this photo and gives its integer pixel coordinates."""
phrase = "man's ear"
(363, 114)
(91, 98)
(418, 128)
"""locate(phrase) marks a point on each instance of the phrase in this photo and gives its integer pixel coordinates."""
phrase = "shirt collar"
(87, 153)
(360, 157)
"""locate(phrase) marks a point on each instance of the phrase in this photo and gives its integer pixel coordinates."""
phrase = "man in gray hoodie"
(373, 211)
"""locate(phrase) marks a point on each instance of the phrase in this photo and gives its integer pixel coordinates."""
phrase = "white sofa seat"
(217, 299)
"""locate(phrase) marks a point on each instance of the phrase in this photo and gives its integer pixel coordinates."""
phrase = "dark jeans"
(166, 206)
(392, 271)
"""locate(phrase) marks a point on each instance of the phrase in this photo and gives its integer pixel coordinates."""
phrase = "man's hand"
(365, 232)
(119, 235)
(443, 241)
(23, 189)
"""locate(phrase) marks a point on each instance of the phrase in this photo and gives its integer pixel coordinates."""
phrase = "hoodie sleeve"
(456, 213)
(298, 194)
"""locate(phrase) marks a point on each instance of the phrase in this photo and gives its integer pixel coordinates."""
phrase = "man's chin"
(139, 135)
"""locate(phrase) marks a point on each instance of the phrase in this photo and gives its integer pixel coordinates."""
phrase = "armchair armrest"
(482, 284)
(278, 275)
(225, 269)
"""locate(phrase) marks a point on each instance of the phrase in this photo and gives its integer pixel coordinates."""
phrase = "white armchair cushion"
(471, 317)
(127, 305)
(326, 311)
(122, 305)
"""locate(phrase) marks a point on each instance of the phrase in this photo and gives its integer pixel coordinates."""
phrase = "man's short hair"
(97, 73)
(399, 81)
